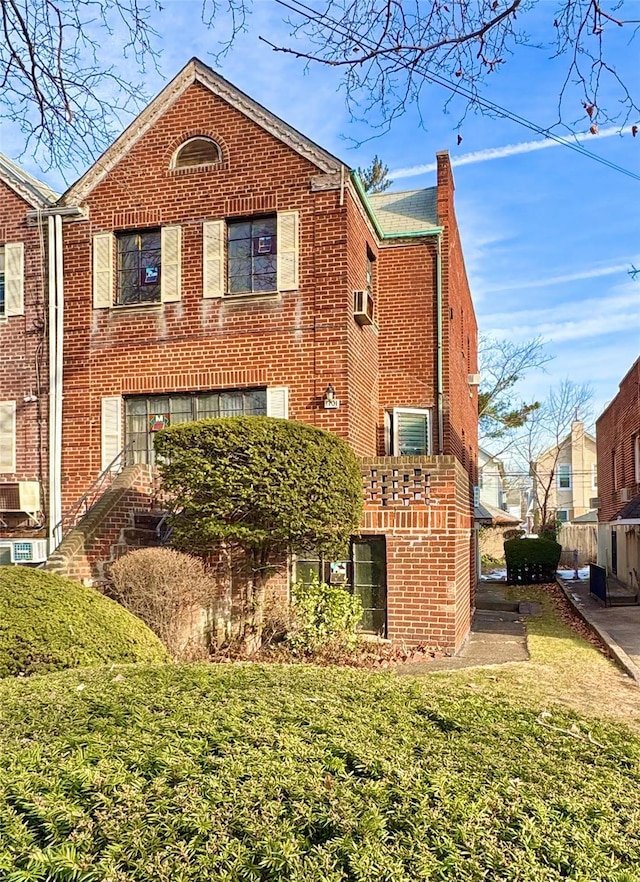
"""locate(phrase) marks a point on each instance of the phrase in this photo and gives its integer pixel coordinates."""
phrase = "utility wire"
(323, 19)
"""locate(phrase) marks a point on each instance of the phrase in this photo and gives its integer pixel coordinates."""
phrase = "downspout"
(52, 331)
(439, 372)
(56, 319)
(59, 363)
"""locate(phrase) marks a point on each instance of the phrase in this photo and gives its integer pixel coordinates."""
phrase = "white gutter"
(56, 320)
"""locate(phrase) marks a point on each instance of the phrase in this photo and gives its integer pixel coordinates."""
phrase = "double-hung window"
(564, 476)
(252, 266)
(139, 267)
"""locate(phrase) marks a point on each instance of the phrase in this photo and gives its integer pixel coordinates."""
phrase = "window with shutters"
(409, 432)
(196, 151)
(252, 256)
(146, 416)
(139, 267)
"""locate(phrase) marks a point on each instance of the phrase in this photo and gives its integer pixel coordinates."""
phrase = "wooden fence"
(580, 537)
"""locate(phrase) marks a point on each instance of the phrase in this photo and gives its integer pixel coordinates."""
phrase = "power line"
(323, 19)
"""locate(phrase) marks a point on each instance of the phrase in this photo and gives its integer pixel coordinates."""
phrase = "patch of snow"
(494, 576)
(583, 573)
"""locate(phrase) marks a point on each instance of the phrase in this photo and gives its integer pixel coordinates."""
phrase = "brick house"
(218, 262)
(24, 379)
(618, 440)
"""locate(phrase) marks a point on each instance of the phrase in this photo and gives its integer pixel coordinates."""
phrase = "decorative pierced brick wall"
(421, 505)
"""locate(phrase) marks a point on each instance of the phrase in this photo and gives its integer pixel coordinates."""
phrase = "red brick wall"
(23, 344)
(616, 429)
(300, 340)
(407, 279)
(460, 356)
(428, 578)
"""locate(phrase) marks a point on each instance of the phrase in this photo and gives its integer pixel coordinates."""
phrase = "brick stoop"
(107, 530)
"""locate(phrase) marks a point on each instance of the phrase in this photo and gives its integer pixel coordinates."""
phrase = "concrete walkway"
(617, 626)
(499, 633)
(497, 638)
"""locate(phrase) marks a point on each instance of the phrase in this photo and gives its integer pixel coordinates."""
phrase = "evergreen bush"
(531, 560)
(48, 623)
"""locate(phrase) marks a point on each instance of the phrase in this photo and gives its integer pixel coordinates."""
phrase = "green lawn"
(270, 773)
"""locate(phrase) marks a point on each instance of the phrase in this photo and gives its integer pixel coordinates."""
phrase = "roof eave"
(197, 72)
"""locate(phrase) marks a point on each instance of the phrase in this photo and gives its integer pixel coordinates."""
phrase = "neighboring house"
(491, 513)
(24, 378)
(565, 477)
(218, 262)
(618, 438)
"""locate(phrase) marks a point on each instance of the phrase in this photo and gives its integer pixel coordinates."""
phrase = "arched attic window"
(196, 151)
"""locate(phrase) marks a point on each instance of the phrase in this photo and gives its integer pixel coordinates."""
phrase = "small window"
(562, 515)
(636, 458)
(370, 269)
(564, 476)
(197, 151)
(594, 476)
(139, 267)
(2, 308)
(410, 432)
(252, 266)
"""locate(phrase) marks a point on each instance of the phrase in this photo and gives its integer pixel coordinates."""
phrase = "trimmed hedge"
(48, 623)
(262, 482)
(531, 560)
(248, 773)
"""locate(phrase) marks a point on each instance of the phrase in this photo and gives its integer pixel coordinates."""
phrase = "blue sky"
(548, 235)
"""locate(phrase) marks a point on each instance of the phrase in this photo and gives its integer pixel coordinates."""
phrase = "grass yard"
(565, 670)
(273, 773)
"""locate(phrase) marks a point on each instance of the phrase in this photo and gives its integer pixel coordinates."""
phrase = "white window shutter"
(288, 223)
(213, 258)
(7, 437)
(102, 270)
(171, 264)
(14, 278)
(111, 429)
(278, 402)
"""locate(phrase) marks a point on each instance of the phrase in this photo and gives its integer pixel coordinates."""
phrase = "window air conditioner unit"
(28, 551)
(473, 379)
(21, 496)
(363, 307)
(594, 502)
(625, 494)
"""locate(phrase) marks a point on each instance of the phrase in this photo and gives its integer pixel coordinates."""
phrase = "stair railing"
(82, 506)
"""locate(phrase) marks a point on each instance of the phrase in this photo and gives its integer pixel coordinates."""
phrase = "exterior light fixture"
(330, 400)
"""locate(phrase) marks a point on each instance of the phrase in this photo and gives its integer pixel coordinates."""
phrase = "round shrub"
(48, 623)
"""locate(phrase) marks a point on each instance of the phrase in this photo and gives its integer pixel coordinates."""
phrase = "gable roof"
(410, 211)
(197, 72)
(34, 192)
